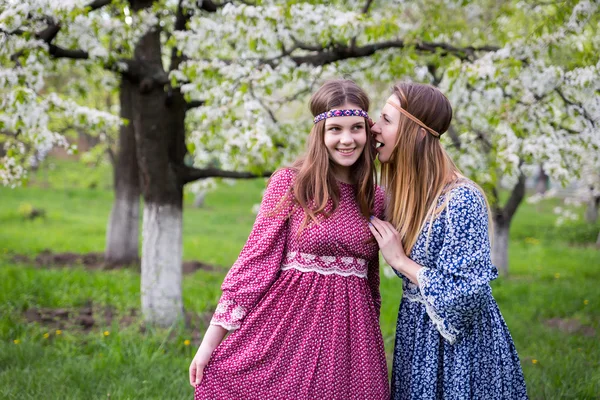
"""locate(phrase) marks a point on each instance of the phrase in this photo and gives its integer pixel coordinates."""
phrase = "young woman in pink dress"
(301, 303)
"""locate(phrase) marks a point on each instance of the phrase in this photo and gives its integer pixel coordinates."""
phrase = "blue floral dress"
(451, 340)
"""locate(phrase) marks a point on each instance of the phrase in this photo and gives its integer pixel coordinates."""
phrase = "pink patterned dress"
(304, 310)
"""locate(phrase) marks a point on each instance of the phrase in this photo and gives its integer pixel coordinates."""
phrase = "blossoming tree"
(213, 90)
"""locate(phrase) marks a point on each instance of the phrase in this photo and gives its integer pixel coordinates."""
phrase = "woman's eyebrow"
(336, 125)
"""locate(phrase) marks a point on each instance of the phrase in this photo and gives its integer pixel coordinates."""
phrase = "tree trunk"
(122, 234)
(161, 264)
(158, 123)
(159, 126)
(502, 220)
(542, 181)
(598, 240)
(199, 199)
(591, 212)
(500, 245)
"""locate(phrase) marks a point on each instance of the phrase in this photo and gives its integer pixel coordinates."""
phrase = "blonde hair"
(419, 170)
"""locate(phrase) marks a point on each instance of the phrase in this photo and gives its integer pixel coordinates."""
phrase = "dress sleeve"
(373, 271)
(258, 264)
(457, 288)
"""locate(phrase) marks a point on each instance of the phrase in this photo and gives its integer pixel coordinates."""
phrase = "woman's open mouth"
(346, 152)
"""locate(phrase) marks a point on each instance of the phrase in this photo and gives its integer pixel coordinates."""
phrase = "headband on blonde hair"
(414, 119)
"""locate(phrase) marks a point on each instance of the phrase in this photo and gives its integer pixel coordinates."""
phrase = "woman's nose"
(375, 129)
(346, 138)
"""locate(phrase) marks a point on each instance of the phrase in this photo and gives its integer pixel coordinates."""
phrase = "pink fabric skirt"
(312, 336)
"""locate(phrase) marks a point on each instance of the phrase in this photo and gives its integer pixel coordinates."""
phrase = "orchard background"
(123, 124)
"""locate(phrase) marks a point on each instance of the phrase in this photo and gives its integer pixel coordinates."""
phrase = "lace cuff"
(229, 315)
(447, 331)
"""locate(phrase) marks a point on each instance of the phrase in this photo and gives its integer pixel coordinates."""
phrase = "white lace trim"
(326, 265)
(238, 313)
(228, 326)
(447, 331)
(323, 271)
(228, 315)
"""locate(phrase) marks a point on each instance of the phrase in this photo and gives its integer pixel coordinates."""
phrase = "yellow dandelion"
(106, 333)
(586, 302)
(46, 335)
(58, 332)
(534, 361)
(186, 342)
(16, 341)
(556, 276)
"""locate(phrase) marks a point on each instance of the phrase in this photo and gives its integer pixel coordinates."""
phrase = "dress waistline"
(325, 265)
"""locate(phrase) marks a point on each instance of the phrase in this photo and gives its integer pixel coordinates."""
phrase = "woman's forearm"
(408, 268)
(213, 337)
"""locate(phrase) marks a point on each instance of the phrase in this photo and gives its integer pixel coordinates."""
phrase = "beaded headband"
(414, 119)
(342, 113)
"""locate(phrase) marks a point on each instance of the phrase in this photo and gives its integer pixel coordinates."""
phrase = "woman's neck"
(342, 174)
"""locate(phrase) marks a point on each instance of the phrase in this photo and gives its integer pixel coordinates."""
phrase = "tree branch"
(454, 137)
(516, 197)
(111, 156)
(482, 137)
(190, 174)
(9, 133)
(574, 104)
(495, 204)
(364, 10)
(60, 52)
(211, 7)
(366, 7)
(96, 4)
(49, 33)
(181, 20)
(338, 52)
(264, 106)
(194, 104)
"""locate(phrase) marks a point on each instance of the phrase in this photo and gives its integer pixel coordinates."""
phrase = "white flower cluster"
(534, 101)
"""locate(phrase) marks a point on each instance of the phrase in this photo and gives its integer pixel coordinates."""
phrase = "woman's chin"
(383, 158)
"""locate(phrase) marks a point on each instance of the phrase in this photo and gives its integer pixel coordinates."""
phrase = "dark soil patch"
(93, 317)
(95, 261)
(190, 267)
(83, 319)
(47, 259)
(570, 326)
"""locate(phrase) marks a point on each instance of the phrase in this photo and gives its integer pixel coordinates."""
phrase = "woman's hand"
(391, 248)
(389, 242)
(212, 338)
(198, 363)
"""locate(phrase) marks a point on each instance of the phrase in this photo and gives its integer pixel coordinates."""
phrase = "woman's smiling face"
(345, 138)
(385, 131)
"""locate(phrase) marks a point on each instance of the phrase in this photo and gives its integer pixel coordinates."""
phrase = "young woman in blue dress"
(451, 340)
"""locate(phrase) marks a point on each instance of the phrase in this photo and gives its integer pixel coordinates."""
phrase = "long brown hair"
(419, 170)
(315, 184)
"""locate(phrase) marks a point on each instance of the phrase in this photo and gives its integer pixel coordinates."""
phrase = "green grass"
(554, 274)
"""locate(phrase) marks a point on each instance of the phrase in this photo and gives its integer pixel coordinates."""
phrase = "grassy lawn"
(550, 301)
